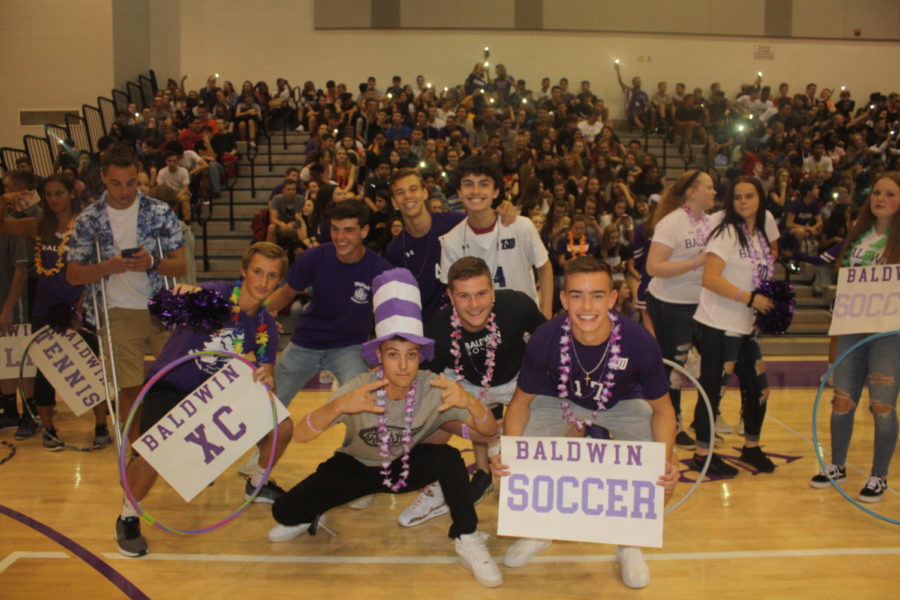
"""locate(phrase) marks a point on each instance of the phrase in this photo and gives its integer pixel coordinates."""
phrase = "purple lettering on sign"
(521, 449)
(613, 498)
(52, 349)
(539, 453)
(225, 410)
(560, 494)
(536, 494)
(596, 452)
(188, 407)
(149, 441)
(163, 432)
(574, 451)
(203, 394)
(644, 495)
(585, 496)
(210, 450)
(516, 493)
(634, 456)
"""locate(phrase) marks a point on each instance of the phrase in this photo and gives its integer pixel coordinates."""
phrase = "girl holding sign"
(873, 239)
(740, 256)
(60, 206)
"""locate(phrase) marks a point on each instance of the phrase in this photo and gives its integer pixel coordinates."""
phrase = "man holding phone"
(140, 240)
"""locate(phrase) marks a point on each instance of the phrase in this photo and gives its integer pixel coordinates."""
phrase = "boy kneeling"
(388, 413)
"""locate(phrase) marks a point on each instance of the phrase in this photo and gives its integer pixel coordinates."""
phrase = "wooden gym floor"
(754, 536)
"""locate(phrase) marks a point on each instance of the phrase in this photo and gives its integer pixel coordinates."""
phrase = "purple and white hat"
(398, 313)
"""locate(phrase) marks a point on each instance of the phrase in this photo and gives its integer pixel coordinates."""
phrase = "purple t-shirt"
(639, 374)
(804, 214)
(53, 289)
(190, 375)
(422, 256)
(340, 312)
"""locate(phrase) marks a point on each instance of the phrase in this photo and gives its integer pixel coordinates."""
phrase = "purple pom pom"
(204, 311)
(777, 320)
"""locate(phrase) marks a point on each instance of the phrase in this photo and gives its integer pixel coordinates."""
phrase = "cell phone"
(27, 200)
(129, 252)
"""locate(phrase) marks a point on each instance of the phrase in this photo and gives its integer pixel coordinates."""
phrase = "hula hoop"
(143, 514)
(12, 452)
(815, 434)
(712, 432)
(20, 386)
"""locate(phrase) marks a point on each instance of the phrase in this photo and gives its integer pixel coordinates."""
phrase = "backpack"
(260, 225)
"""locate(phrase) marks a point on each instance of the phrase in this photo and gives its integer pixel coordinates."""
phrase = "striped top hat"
(398, 313)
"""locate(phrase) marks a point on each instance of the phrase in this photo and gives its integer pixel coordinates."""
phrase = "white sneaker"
(523, 550)
(283, 533)
(361, 503)
(249, 467)
(722, 426)
(634, 569)
(474, 556)
(325, 377)
(428, 505)
(300, 128)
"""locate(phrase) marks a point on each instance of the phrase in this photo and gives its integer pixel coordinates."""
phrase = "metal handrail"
(107, 112)
(252, 153)
(78, 131)
(120, 100)
(9, 156)
(148, 89)
(93, 120)
(136, 94)
(40, 152)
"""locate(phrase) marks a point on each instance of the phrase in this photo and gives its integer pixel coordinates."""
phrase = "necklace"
(262, 334)
(490, 356)
(384, 436)
(755, 259)
(61, 251)
(699, 225)
(587, 374)
(604, 394)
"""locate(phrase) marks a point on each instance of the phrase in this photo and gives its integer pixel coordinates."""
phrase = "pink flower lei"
(755, 259)
(700, 226)
(490, 357)
(384, 436)
(614, 351)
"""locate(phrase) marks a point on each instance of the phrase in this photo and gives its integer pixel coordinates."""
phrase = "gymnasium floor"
(754, 536)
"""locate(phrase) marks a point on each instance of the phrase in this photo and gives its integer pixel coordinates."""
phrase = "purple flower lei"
(755, 258)
(489, 359)
(565, 370)
(700, 226)
(384, 436)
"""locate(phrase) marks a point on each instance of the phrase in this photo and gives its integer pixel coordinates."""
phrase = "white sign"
(71, 368)
(582, 490)
(210, 429)
(764, 52)
(11, 352)
(867, 300)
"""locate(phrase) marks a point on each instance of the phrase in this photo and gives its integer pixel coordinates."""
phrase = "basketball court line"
(430, 560)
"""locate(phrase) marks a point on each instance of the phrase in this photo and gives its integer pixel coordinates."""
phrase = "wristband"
(465, 432)
(737, 297)
(752, 296)
(310, 425)
(154, 263)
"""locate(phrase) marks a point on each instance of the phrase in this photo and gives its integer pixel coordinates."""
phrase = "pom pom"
(777, 320)
(60, 317)
(204, 311)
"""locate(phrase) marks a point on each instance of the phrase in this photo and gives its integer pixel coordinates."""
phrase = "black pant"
(674, 325)
(342, 479)
(717, 350)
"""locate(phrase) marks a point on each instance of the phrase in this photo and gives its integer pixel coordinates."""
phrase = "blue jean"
(876, 363)
(674, 326)
(298, 364)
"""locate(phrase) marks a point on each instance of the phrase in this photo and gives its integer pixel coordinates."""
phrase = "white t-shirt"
(511, 252)
(175, 181)
(590, 131)
(189, 160)
(729, 314)
(823, 166)
(869, 251)
(675, 231)
(130, 289)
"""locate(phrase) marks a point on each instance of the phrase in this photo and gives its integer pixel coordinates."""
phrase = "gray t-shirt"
(361, 440)
(286, 210)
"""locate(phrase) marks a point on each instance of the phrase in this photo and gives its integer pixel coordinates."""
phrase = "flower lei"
(262, 334)
(608, 381)
(755, 259)
(384, 436)
(60, 256)
(490, 357)
(699, 226)
(581, 249)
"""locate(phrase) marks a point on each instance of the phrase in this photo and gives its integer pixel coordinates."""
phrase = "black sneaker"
(267, 494)
(757, 459)
(27, 428)
(128, 537)
(873, 490)
(684, 440)
(717, 466)
(101, 437)
(831, 472)
(51, 440)
(481, 484)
